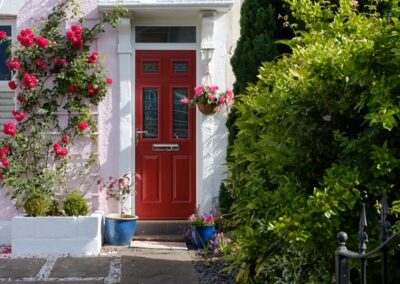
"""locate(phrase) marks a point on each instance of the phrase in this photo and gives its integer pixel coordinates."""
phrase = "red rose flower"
(92, 90)
(14, 64)
(109, 81)
(42, 42)
(3, 35)
(26, 37)
(73, 89)
(12, 85)
(41, 64)
(61, 152)
(65, 139)
(57, 147)
(19, 116)
(75, 36)
(77, 29)
(83, 125)
(6, 163)
(5, 151)
(21, 99)
(30, 81)
(63, 61)
(10, 128)
(93, 58)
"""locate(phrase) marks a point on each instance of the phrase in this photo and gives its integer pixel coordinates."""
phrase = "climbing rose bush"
(58, 81)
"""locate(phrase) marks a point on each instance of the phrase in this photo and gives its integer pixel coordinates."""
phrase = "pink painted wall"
(108, 142)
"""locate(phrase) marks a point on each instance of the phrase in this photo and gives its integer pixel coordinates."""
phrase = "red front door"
(165, 135)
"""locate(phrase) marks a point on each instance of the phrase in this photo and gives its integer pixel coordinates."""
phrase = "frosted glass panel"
(181, 114)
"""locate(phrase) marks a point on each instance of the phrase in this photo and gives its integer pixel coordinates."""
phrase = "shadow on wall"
(33, 10)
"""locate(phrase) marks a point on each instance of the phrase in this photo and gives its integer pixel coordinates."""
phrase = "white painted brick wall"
(43, 236)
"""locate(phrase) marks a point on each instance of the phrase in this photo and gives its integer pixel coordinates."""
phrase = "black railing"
(343, 256)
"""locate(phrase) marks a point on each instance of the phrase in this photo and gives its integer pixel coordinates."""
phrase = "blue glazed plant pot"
(119, 230)
(202, 235)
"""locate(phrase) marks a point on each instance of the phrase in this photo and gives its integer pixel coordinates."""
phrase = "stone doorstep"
(161, 227)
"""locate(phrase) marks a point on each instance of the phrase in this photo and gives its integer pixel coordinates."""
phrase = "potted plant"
(202, 229)
(119, 227)
(208, 99)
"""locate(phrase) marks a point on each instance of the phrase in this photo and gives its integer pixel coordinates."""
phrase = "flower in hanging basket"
(208, 99)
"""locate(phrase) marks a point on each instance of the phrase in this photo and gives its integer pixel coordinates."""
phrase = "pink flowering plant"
(210, 95)
(58, 81)
(203, 220)
(117, 188)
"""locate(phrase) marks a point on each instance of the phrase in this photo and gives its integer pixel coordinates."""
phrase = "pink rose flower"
(229, 94)
(213, 98)
(199, 90)
(93, 58)
(83, 125)
(12, 85)
(6, 163)
(30, 81)
(26, 37)
(14, 64)
(213, 89)
(42, 42)
(222, 100)
(3, 35)
(109, 80)
(10, 128)
(19, 116)
(185, 100)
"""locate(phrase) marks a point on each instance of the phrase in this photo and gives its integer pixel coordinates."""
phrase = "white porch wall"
(212, 133)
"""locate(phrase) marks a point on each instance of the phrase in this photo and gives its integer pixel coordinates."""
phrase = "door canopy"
(134, 5)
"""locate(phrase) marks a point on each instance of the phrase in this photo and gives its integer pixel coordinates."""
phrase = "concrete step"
(160, 238)
(161, 227)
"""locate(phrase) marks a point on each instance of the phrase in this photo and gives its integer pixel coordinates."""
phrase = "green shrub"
(76, 205)
(319, 127)
(36, 206)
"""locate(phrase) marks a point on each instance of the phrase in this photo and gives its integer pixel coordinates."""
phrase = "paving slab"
(20, 267)
(53, 282)
(143, 267)
(81, 267)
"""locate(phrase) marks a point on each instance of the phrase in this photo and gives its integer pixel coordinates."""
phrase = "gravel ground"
(209, 271)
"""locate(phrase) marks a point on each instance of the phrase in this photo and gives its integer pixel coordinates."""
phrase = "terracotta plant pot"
(208, 109)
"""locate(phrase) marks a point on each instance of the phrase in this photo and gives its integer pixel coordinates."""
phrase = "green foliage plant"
(76, 205)
(52, 73)
(36, 205)
(320, 126)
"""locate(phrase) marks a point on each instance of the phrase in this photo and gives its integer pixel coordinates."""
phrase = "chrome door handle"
(139, 132)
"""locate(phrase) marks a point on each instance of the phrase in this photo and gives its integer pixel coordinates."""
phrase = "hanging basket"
(208, 109)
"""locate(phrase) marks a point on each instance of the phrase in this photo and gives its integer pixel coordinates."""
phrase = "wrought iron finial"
(363, 230)
(342, 238)
(383, 223)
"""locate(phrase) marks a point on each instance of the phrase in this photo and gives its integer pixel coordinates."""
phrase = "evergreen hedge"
(320, 127)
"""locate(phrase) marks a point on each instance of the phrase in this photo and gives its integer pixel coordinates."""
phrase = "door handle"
(138, 133)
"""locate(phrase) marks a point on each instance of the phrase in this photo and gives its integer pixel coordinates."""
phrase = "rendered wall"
(212, 130)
